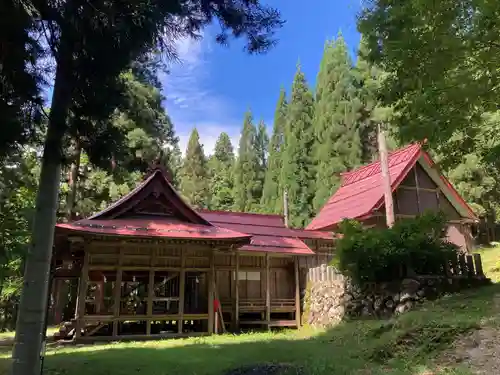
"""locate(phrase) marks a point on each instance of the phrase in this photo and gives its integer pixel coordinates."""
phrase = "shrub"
(382, 255)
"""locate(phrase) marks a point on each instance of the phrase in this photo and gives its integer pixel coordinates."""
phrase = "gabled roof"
(152, 209)
(154, 196)
(361, 191)
(269, 233)
(155, 209)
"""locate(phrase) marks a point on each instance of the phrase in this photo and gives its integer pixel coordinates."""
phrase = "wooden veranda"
(171, 289)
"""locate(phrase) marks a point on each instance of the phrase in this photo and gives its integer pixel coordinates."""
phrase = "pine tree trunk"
(29, 345)
(73, 179)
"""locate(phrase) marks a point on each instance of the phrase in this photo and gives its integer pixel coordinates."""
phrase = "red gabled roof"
(152, 209)
(269, 233)
(152, 228)
(160, 190)
(361, 191)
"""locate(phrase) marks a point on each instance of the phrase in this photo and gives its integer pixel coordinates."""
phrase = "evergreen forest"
(107, 125)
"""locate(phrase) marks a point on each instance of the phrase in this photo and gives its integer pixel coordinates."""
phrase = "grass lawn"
(490, 257)
(9, 336)
(407, 345)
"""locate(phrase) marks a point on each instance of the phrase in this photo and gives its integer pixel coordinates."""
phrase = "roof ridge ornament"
(157, 165)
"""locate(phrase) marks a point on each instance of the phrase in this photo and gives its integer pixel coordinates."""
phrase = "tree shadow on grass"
(402, 346)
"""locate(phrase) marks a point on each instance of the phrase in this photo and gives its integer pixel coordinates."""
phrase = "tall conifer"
(297, 171)
(246, 186)
(221, 165)
(338, 146)
(261, 144)
(271, 201)
(194, 177)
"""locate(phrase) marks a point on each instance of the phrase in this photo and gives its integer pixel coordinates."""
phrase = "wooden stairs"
(67, 330)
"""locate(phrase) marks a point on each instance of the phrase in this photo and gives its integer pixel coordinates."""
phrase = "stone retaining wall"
(328, 302)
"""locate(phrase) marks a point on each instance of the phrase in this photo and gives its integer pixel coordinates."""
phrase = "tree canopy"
(442, 65)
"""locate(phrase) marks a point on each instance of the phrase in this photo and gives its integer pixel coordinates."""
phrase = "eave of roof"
(153, 228)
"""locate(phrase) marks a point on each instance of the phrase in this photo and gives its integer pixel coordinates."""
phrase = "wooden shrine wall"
(105, 258)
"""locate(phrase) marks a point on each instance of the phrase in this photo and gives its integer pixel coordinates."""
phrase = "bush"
(382, 255)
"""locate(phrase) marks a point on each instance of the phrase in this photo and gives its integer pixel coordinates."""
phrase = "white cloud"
(209, 132)
(191, 102)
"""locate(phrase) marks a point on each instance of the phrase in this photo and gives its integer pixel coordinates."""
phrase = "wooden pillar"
(99, 296)
(297, 291)
(268, 291)
(82, 295)
(211, 281)
(182, 290)
(386, 178)
(237, 293)
(151, 291)
(117, 294)
(417, 186)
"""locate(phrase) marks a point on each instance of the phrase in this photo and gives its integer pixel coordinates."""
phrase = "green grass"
(407, 345)
(9, 335)
(490, 257)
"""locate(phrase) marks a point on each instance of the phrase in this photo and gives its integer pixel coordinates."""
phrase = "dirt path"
(480, 350)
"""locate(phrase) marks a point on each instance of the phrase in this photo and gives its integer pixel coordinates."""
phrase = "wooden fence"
(464, 266)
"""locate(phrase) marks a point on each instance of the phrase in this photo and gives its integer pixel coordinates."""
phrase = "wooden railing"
(259, 305)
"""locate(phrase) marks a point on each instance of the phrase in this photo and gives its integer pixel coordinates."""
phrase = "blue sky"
(213, 86)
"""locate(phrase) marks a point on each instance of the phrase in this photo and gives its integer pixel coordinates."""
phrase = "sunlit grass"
(9, 335)
(490, 257)
(406, 345)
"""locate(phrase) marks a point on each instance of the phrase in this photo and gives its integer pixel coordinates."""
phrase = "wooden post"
(386, 178)
(117, 294)
(82, 295)
(285, 207)
(297, 292)
(268, 291)
(479, 265)
(454, 266)
(237, 293)
(182, 289)
(419, 208)
(470, 265)
(463, 265)
(151, 290)
(99, 296)
(151, 293)
(211, 279)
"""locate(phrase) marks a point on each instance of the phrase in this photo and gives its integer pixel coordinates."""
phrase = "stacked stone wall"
(328, 302)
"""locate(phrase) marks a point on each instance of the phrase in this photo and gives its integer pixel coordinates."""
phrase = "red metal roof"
(244, 218)
(269, 233)
(361, 190)
(154, 209)
(152, 228)
(260, 224)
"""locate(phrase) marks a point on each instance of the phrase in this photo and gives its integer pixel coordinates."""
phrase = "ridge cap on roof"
(207, 211)
(344, 175)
